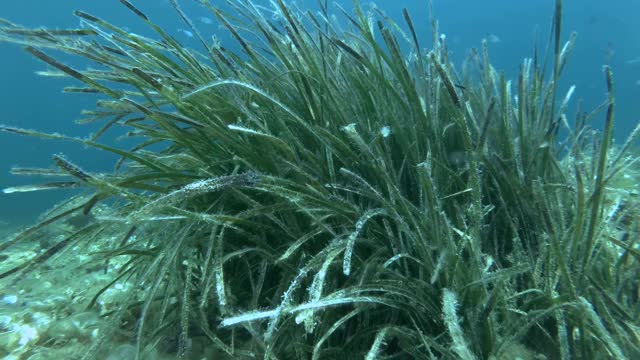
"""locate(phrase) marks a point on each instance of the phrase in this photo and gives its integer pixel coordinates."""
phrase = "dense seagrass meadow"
(335, 189)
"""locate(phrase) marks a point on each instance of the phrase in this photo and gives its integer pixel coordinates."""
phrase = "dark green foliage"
(323, 195)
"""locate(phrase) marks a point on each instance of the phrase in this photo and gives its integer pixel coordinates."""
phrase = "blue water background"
(607, 34)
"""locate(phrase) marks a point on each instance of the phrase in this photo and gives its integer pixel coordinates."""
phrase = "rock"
(81, 326)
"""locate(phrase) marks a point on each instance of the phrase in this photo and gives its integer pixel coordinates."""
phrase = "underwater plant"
(320, 194)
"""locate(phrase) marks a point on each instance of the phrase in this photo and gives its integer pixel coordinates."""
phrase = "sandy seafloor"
(43, 312)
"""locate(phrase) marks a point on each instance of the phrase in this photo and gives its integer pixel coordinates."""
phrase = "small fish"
(633, 61)
(186, 32)
(205, 20)
(493, 38)
(609, 53)
(458, 159)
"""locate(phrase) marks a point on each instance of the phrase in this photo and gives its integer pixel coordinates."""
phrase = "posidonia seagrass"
(320, 193)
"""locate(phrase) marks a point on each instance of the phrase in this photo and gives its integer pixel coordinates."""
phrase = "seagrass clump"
(335, 189)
